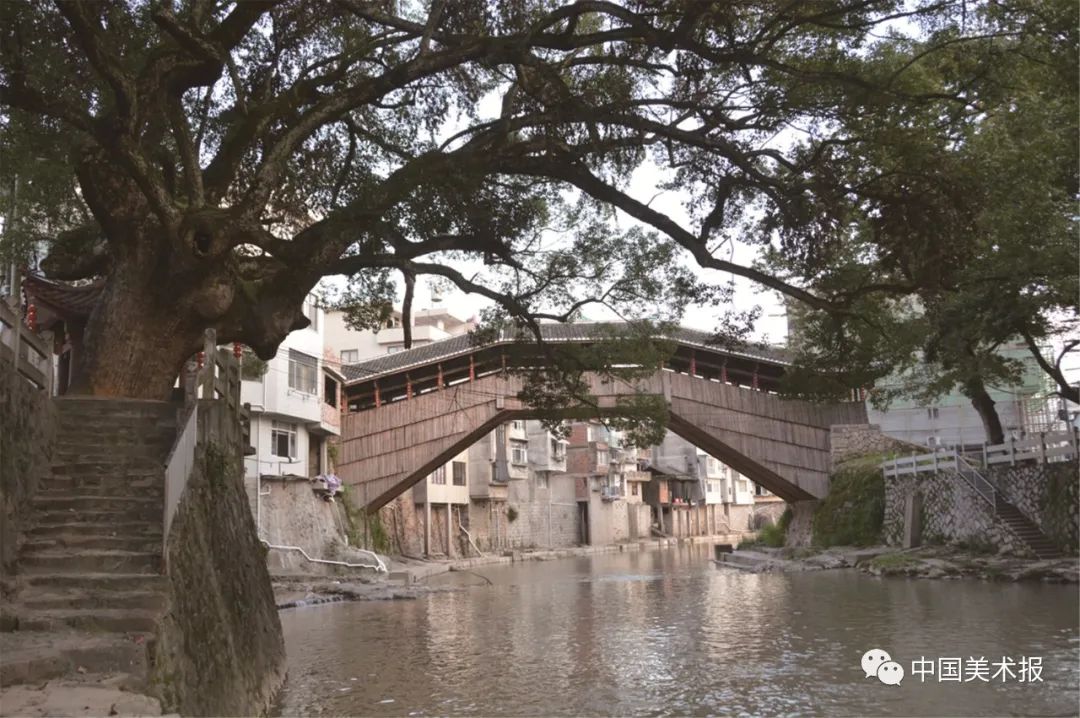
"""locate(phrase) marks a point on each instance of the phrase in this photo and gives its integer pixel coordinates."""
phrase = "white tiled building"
(295, 405)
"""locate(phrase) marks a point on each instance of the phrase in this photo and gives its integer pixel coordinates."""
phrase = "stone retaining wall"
(1047, 494)
(952, 511)
(848, 441)
(27, 431)
(219, 648)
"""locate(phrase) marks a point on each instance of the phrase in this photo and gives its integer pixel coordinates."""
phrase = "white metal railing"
(469, 536)
(178, 466)
(1049, 446)
(379, 565)
(936, 461)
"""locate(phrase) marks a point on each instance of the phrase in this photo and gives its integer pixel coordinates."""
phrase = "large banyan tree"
(211, 161)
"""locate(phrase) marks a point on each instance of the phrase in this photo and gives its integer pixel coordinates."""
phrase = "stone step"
(142, 466)
(50, 598)
(70, 404)
(148, 529)
(112, 620)
(99, 581)
(103, 486)
(66, 517)
(107, 456)
(115, 542)
(87, 502)
(89, 561)
(32, 657)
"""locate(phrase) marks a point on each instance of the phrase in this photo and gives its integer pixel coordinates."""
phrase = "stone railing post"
(1012, 450)
(210, 365)
(1042, 447)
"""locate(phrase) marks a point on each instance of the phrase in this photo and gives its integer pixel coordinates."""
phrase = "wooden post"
(378, 399)
(754, 385)
(723, 372)
(1042, 447)
(693, 363)
(440, 382)
(1012, 450)
(986, 457)
(472, 368)
(408, 386)
(503, 358)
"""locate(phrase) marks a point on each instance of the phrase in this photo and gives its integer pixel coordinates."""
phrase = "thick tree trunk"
(406, 311)
(134, 344)
(984, 405)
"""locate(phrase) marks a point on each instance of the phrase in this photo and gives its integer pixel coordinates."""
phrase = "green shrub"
(773, 535)
(785, 519)
(853, 512)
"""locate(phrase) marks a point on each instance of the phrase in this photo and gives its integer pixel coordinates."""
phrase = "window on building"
(303, 369)
(311, 311)
(350, 356)
(634, 488)
(541, 479)
(557, 452)
(438, 476)
(459, 473)
(330, 390)
(517, 425)
(283, 439)
(394, 348)
(931, 412)
(519, 452)
(602, 457)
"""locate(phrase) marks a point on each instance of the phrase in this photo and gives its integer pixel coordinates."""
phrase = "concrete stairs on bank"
(1025, 530)
(89, 589)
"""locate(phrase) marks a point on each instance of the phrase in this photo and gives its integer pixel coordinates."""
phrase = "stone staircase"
(89, 588)
(1025, 530)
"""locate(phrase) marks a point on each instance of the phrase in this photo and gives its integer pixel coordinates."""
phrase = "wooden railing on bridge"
(25, 350)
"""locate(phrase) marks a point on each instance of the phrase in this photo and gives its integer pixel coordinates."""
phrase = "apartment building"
(295, 401)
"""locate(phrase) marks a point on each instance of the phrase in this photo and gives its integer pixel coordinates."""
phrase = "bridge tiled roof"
(555, 333)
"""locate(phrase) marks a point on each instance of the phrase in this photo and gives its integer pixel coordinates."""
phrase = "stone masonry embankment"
(27, 432)
(219, 649)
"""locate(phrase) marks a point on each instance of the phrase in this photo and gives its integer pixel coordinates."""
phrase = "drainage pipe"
(379, 565)
(468, 535)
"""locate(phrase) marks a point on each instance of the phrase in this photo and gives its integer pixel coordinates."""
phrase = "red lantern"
(237, 349)
(31, 317)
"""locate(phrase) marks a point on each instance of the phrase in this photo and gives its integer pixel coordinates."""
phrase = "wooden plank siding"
(782, 444)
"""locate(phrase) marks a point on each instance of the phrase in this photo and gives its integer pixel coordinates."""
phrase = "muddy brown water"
(667, 633)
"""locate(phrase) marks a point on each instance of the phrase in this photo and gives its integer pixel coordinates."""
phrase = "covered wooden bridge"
(412, 411)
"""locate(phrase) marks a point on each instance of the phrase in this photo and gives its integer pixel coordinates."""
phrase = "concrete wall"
(293, 515)
(219, 648)
(27, 431)
(547, 517)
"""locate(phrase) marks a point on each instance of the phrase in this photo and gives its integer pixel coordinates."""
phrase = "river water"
(668, 633)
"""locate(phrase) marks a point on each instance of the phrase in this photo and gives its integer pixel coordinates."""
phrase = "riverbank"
(408, 576)
(931, 562)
